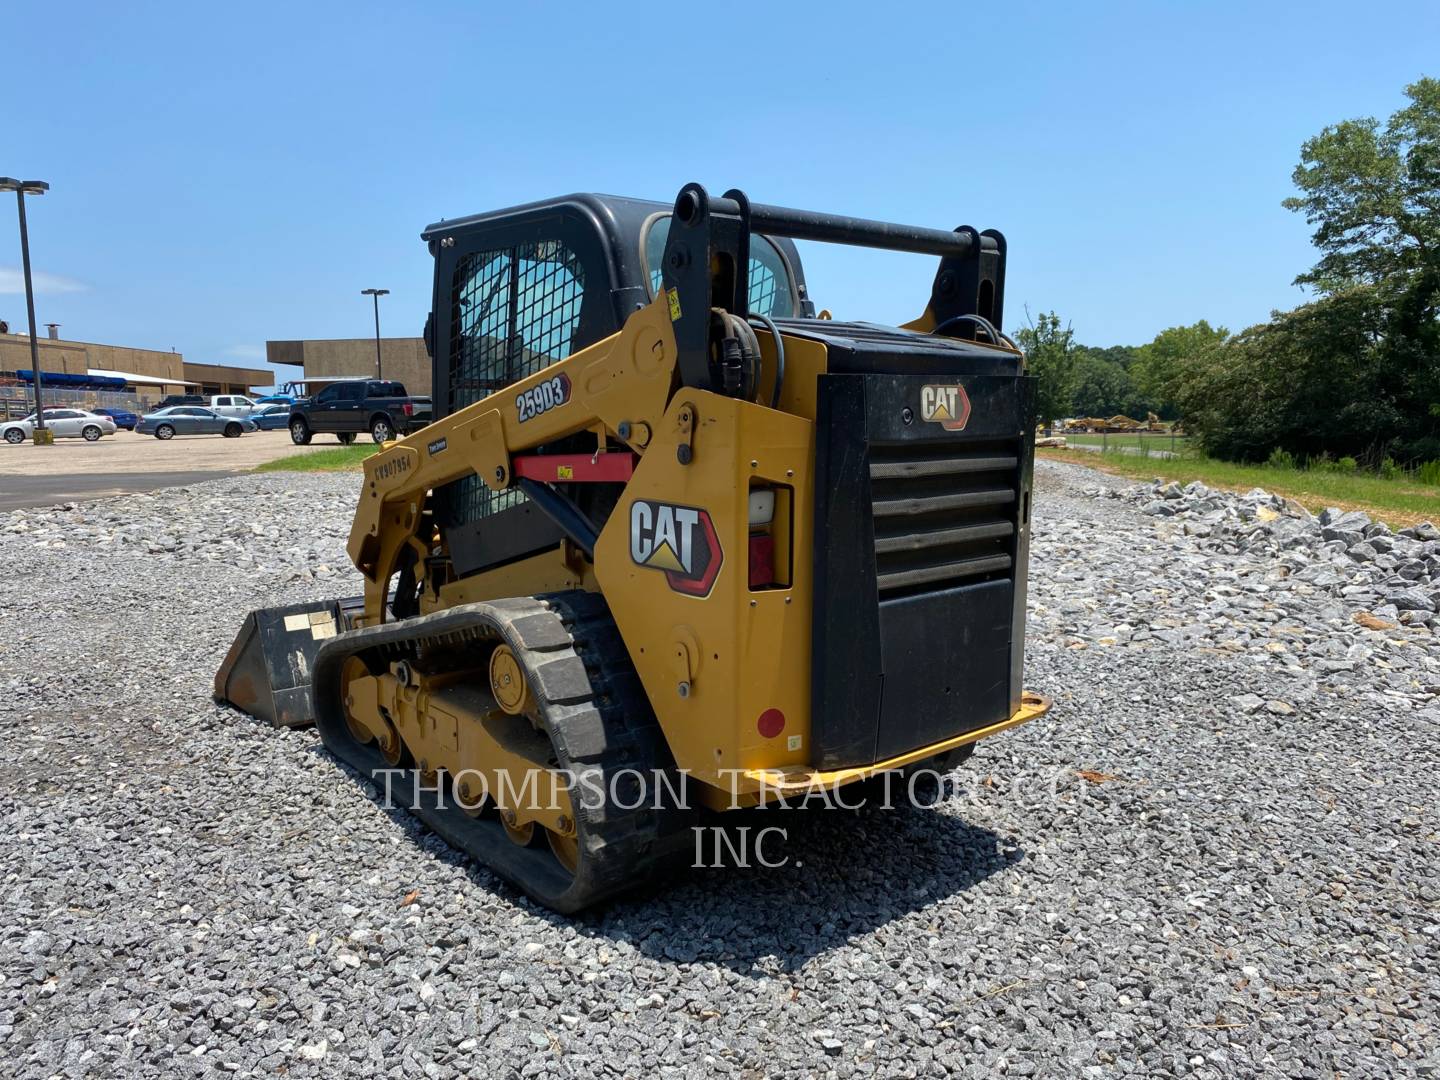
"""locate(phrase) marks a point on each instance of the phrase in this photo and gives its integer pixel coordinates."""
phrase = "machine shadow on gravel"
(846, 874)
(834, 874)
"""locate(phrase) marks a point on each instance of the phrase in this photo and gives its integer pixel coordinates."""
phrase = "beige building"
(148, 373)
(223, 379)
(326, 360)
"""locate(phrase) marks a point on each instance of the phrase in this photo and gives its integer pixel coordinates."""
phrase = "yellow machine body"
(808, 567)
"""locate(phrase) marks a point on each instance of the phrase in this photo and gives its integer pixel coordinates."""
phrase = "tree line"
(1355, 372)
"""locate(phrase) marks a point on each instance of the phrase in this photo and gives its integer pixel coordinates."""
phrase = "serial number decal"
(550, 394)
(393, 467)
(435, 447)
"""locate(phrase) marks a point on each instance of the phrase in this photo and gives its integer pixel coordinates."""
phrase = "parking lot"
(125, 463)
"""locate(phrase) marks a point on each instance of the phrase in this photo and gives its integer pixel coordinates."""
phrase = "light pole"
(376, 293)
(21, 189)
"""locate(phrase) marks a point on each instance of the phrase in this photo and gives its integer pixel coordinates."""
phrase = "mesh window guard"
(514, 312)
(762, 288)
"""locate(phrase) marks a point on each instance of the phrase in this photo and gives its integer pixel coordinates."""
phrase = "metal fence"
(19, 400)
(1160, 444)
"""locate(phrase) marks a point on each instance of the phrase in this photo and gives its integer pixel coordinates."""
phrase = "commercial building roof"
(138, 380)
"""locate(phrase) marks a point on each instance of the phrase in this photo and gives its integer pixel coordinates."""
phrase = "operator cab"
(517, 290)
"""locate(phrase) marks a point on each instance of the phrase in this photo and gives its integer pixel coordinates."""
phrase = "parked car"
(171, 400)
(123, 418)
(230, 404)
(63, 424)
(346, 408)
(192, 420)
(272, 417)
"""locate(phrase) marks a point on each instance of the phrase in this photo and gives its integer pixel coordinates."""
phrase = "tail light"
(408, 409)
(762, 539)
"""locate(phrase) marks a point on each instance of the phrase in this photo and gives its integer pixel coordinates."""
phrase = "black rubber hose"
(779, 357)
(985, 324)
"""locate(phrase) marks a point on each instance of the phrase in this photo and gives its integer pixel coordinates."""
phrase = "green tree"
(1319, 379)
(1050, 356)
(1373, 195)
(1357, 371)
(1163, 365)
(1103, 384)
(1123, 356)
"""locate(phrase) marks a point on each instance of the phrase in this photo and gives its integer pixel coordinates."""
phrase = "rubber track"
(591, 704)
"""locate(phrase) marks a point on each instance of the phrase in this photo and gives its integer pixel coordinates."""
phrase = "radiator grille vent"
(945, 514)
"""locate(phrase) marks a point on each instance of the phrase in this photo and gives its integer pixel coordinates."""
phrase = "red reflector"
(771, 723)
(762, 560)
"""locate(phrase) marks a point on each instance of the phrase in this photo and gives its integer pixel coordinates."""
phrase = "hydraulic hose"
(779, 357)
(985, 324)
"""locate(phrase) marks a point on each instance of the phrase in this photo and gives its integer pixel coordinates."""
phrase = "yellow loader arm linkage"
(622, 384)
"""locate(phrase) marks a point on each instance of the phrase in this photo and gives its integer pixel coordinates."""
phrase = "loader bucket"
(266, 673)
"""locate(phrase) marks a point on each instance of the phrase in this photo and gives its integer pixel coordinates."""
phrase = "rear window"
(387, 389)
(772, 292)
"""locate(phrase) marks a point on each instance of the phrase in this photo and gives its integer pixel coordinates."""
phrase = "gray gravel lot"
(1217, 857)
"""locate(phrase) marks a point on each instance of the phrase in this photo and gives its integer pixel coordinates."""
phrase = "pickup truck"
(351, 406)
(231, 405)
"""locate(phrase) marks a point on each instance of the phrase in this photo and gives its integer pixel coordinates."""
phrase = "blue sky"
(227, 174)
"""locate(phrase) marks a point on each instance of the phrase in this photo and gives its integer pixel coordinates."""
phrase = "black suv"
(346, 408)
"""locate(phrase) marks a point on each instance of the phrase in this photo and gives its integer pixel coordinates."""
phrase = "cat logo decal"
(948, 406)
(678, 540)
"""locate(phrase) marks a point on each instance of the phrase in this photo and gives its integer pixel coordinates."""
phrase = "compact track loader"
(676, 544)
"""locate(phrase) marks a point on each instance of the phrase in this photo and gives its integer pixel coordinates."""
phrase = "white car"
(64, 423)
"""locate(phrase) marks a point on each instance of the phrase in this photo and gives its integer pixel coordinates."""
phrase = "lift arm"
(622, 383)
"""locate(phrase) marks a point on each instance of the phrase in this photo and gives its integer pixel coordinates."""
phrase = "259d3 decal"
(678, 540)
(550, 394)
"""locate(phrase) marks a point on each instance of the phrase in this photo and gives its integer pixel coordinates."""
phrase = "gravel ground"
(1217, 857)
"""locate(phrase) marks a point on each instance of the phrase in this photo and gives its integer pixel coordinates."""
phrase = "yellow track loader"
(676, 544)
